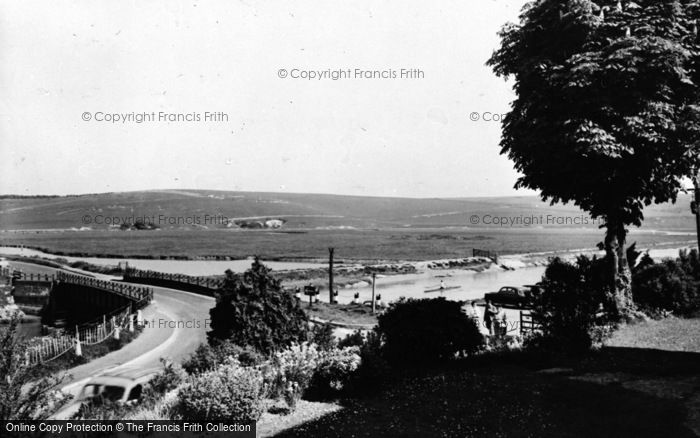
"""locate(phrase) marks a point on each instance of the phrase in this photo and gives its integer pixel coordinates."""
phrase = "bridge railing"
(134, 293)
(32, 276)
(137, 275)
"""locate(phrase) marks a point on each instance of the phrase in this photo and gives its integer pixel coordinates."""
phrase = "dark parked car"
(513, 296)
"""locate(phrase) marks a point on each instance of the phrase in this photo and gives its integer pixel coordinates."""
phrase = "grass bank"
(638, 386)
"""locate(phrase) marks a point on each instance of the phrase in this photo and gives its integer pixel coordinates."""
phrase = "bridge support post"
(116, 329)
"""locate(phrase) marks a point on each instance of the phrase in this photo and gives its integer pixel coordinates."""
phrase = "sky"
(239, 95)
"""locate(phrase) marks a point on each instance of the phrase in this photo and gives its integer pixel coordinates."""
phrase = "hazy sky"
(63, 61)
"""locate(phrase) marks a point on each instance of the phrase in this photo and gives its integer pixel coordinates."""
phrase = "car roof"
(128, 373)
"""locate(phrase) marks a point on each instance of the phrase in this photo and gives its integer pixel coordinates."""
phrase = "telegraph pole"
(330, 275)
(374, 280)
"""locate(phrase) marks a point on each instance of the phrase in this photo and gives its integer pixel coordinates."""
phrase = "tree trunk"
(620, 273)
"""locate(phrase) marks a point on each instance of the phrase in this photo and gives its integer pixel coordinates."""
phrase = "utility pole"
(330, 275)
(694, 205)
(374, 280)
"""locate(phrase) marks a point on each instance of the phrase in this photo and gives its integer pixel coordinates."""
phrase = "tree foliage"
(573, 308)
(427, 331)
(24, 395)
(252, 310)
(606, 114)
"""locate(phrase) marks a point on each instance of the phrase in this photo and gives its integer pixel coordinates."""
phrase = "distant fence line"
(484, 253)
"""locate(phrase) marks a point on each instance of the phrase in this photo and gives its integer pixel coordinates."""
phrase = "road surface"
(176, 323)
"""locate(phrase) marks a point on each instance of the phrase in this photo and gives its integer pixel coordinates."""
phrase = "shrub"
(100, 408)
(230, 393)
(354, 339)
(172, 375)
(671, 285)
(334, 370)
(373, 371)
(23, 394)
(289, 372)
(573, 307)
(207, 357)
(420, 332)
(203, 359)
(322, 336)
(253, 310)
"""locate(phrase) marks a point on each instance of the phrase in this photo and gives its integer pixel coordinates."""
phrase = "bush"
(669, 286)
(25, 392)
(100, 408)
(207, 357)
(170, 378)
(322, 336)
(203, 359)
(253, 310)
(574, 306)
(289, 372)
(334, 370)
(419, 332)
(374, 371)
(230, 393)
(354, 339)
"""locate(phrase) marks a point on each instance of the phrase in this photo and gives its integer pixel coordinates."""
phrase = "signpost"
(311, 292)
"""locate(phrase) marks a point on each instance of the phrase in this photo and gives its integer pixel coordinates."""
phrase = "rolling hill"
(176, 209)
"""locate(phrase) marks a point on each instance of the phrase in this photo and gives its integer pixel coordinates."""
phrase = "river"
(187, 267)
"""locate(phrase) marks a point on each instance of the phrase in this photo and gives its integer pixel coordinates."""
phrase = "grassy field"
(388, 244)
(360, 228)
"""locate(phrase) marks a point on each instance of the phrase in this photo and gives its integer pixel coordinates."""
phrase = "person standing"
(472, 312)
(490, 312)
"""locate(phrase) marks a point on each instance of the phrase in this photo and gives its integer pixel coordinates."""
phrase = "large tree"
(253, 310)
(606, 110)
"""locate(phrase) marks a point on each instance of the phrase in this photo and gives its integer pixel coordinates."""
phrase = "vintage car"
(121, 385)
(512, 296)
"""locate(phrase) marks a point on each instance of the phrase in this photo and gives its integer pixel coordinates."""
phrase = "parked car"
(511, 295)
(121, 385)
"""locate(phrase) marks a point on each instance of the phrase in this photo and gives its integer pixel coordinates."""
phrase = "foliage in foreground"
(574, 306)
(23, 395)
(253, 310)
(672, 285)
(606, 115)
(207, 357)
(427, 331)
(230, 393)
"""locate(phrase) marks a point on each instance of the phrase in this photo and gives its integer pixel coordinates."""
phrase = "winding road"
(176, 323)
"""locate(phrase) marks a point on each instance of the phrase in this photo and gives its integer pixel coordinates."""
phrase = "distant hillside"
(181, 208)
